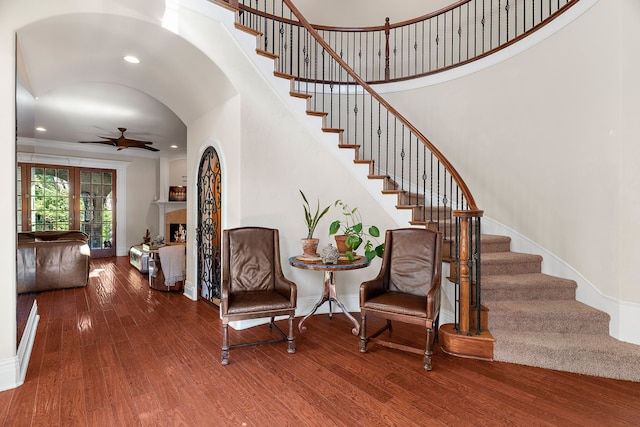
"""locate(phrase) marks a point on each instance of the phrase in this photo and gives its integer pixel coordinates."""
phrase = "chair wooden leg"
(428, 353)
(291, 338)
(225, 343)
(363, 332)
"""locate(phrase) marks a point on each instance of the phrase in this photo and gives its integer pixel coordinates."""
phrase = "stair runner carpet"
(536, 320)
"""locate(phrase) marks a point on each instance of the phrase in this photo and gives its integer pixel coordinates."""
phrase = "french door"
(69, 198)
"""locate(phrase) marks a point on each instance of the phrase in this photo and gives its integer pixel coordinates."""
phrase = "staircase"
(534, 318)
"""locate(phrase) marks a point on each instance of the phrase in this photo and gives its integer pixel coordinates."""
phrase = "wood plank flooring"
(118, 353)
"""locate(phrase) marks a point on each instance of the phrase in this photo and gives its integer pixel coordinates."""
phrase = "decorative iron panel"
(208, 230)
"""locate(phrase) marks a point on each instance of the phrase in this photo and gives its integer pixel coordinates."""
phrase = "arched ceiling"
(73, 81)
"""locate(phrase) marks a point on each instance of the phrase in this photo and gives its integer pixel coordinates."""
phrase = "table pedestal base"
(329, 294)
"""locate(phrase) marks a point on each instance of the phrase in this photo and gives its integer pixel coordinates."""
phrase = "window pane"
(50, 198)
(106, 178)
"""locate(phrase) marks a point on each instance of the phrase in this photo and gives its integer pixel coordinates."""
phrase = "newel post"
(468, 248)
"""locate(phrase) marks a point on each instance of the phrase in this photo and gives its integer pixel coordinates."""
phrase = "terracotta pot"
(310, 246)
(340, 243)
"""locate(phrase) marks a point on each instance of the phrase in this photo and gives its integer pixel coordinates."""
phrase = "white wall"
(366, 13)
(8, 359)
(178, 172)
(265, 162)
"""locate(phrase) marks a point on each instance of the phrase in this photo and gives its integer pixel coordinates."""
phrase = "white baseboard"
(304, 307)
(26, 342)
(9, 369)
(14, 369)
(351, 303)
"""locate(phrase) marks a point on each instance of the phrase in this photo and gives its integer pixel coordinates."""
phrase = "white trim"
(26, 342)
(84, 148)
(9, 369)
(121, 185)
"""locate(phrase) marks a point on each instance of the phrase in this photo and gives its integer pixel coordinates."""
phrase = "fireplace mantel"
(165, 207)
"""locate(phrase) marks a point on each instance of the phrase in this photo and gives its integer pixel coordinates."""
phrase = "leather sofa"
(48, 260)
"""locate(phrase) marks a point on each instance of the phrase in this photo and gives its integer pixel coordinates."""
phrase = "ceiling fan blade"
(137, 144)
(123, 142)
(135, 141)
(98, 142)
(146, 147)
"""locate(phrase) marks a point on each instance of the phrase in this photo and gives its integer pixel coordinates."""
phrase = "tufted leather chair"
(407, 288)
(253, 285)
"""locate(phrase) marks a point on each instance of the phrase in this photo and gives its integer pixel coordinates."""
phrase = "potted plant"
(310, 244)
(355, 233)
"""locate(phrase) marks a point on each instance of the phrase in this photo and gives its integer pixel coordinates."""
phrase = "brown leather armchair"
(253, 285)
(407, 288)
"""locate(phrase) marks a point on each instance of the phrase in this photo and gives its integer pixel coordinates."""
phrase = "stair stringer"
(313, 123)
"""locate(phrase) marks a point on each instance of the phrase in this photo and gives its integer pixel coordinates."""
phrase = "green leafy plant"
(312, 220)
(352, 227)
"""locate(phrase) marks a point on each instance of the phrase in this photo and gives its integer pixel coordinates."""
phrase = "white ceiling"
(73, 81)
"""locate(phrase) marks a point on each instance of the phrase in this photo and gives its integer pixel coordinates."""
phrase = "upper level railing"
(455, 35)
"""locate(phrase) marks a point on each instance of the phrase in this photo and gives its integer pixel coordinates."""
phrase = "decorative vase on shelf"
(310, 247)
(330, 255)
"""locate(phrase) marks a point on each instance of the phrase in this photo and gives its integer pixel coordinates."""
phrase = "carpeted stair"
(536, 320)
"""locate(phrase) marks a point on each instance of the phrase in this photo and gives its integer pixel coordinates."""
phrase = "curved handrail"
(454, 173)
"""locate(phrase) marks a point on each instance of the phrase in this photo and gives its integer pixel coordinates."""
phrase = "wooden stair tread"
(299, 95)
(283, 75)
(266, 54)
(317, 113)
(248, 30)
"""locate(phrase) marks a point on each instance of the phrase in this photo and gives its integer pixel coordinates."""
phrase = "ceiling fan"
(121, 142)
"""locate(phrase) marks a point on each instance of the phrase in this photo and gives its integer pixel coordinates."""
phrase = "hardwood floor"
(119, 353)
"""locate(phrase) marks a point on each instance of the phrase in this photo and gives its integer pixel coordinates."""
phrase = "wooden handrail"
(449, 167)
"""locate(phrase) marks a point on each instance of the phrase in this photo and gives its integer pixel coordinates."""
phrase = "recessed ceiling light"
(132, 59)
(41, 129)
(174, 146)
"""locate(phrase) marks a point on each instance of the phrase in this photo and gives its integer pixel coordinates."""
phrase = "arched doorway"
(209, 226)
